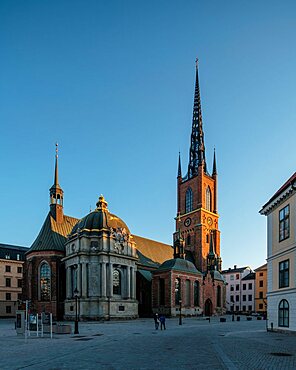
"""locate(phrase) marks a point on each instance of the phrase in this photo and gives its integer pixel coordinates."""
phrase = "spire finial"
(57, 149)
(197, 147)
(214, 163)
(102, 204)
(56, 171)
(179, 166)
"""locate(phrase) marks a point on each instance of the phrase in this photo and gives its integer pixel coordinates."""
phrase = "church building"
(116, 274)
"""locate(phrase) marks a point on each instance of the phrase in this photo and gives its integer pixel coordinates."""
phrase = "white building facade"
(234, 288)
(281, 257)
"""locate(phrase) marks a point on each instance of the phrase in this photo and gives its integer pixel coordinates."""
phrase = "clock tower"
(197, 211)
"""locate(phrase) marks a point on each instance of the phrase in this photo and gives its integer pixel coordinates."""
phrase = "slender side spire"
(179, 167)
(197, 147)
(56, 171)
(56, 194)
(214, 164)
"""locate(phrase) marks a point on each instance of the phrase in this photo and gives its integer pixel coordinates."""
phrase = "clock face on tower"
(209, 221)
(187, 222)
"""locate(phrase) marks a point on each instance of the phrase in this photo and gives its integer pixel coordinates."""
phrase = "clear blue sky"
(113, 83)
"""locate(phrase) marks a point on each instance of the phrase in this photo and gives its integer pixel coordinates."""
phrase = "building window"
(231, 288)
(261, 295)
(244, 308)
(19, 270)
(116, 282)
(19, 296)
(244, 297)
(17, 257)
(188, 239)
(284, 313)
(8, 296)
(208, 199)
(261, 283)
(237, 287)
(8, 282)
(161, 292)
(8, 309)
(231, 277)
(237, 276)
(250, 285)
(236, 308)
(177, 291)
(7, 256)
(284, 226)
(232, 308)
(196, 293)
(261, 274)
(237, 298)
(218, 296)
(249, 297)
(284, 274)
(7, 269)
(260, 306)
(187, 296)
(188, 200)
(19, 283)
(250, 308)
(45, 283)
(231, 298)
(244, 286)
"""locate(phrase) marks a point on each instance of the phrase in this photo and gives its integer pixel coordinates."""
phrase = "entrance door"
(208, 307)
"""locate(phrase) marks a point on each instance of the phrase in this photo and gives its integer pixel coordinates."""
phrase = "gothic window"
(177, 291)
(161, 292)
(218, 296)
(187, 286)
(45, 282)
(188, 200)
(208, 199)
(116, 282)
(284, 313)
(188, 239)
(196, 293)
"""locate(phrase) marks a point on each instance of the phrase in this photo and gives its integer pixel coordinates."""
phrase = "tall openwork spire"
(179, 166)
(197, 147)
(214, 164)
(56, 193)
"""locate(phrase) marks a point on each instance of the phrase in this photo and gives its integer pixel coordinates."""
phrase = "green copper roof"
(179, 264)
(53, 235)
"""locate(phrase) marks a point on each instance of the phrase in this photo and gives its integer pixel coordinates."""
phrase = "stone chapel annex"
(117, 274)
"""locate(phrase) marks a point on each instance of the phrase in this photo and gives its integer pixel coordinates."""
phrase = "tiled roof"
(250, 276)
(53, 236)
(11, 251)
(151, 252)
(231, 271)
(178, 264)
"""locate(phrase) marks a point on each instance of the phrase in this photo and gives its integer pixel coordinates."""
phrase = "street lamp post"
(76, 331)
(180, 317)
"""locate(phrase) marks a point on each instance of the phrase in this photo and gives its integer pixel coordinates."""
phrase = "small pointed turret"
(179, 167)
(214, 164)
(56, 194)
(197, 147)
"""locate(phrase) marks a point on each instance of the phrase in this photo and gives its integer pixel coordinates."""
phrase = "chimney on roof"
(235, 267)
(229, 268)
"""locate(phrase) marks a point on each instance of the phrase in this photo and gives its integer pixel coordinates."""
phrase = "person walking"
(156, 321)
(162, 321)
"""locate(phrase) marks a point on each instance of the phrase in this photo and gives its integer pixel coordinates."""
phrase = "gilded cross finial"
(57, 149)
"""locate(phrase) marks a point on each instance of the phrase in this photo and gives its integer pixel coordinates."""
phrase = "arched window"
(218, 296)
(177, 291)
(187, 296)
(116, 282)
(188, 239)
(284, 313)
(45, 283)
(188, 200)
(196, 293)
(208, 199)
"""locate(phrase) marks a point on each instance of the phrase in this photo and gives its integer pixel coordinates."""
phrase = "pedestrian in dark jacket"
(156, 320)
(162, 321)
